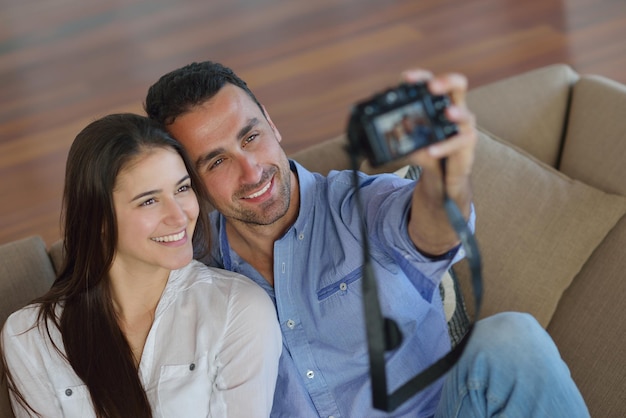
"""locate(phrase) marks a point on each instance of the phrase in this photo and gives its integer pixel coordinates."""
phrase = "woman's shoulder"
(21, 320)
(198, 274)
(25, 328)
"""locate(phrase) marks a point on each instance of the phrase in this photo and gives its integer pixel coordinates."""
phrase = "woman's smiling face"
(156, 211)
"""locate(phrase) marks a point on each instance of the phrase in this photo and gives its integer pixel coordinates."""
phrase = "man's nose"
(251, 171)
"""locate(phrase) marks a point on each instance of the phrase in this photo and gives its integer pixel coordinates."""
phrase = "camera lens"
(391, 97)
(440, 103)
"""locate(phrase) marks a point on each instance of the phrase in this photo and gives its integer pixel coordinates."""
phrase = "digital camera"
(396, 122)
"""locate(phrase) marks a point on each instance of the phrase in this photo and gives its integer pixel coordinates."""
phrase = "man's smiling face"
(236, 149)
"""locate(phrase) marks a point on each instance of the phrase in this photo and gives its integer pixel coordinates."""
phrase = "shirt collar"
(308, 196)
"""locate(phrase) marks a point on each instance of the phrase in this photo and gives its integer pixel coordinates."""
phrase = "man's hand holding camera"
(429, 227)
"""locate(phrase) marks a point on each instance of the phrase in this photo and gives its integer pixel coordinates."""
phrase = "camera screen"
(404, 129)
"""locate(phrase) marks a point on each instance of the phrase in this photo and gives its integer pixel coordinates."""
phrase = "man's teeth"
(260, 192)
(170, 238)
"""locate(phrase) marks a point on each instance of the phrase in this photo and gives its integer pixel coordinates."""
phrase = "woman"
(133, 326)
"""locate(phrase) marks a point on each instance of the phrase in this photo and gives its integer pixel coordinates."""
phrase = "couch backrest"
(527, 110)
(596, 135)
(325, 156)
(26, 272)
(56, 253)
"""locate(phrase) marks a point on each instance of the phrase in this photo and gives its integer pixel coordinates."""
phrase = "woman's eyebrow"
(155, 191)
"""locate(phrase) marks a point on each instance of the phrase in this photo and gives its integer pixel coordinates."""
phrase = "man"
(297, 235)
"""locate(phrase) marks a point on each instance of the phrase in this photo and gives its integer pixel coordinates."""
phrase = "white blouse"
(212, 351)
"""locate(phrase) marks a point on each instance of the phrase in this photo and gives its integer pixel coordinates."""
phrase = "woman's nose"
(175, 213)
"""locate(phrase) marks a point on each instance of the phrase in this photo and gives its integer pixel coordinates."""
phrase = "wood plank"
(64, 63)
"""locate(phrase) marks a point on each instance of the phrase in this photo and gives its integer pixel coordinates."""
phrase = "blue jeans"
(510, 368)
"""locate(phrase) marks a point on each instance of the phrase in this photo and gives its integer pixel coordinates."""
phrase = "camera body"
(398, 121)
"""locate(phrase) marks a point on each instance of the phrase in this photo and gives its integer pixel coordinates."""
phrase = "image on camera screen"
(404, 129)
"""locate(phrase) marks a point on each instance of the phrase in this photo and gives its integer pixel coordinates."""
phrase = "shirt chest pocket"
(340, 287)
(76, 401)
(184, 390)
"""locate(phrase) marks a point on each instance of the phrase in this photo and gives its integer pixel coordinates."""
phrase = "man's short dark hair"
(179, 91)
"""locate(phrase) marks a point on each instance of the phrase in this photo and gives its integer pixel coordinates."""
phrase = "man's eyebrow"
(203, 159)
(247, 128)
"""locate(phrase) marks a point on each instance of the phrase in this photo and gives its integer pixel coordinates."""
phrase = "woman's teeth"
(170, 238)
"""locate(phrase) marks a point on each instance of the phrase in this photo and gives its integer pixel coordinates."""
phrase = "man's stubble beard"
(269, 212)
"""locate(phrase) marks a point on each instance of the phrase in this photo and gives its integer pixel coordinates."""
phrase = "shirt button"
(291, 323)
(192, 366)
(310, 374)
(343, 286)
(68, 392)
(301, 237)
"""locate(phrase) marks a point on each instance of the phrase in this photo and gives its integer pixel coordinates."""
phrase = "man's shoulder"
(343, 182)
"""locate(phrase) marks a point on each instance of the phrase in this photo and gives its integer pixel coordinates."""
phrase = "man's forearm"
(429, 227)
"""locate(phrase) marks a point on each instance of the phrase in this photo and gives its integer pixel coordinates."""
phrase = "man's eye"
(216, 163)
(249, 139)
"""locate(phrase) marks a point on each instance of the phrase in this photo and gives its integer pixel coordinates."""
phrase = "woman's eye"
(184, 188)
(149, 202)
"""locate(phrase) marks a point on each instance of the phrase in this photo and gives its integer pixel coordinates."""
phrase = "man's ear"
(269, 120)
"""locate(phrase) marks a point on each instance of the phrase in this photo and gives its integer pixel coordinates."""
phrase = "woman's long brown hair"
(93, 342)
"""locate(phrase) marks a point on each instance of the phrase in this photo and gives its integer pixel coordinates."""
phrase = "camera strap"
(383, 334)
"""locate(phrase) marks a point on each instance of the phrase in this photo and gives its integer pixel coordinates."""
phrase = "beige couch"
(550, 187)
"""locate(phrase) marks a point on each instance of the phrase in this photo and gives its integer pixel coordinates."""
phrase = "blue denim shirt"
(324, 367)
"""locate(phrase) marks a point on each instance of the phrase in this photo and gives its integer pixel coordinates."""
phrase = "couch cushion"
(596, 136)
(528, 110)
(25, 273)
(590, 330)
(535, 228)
